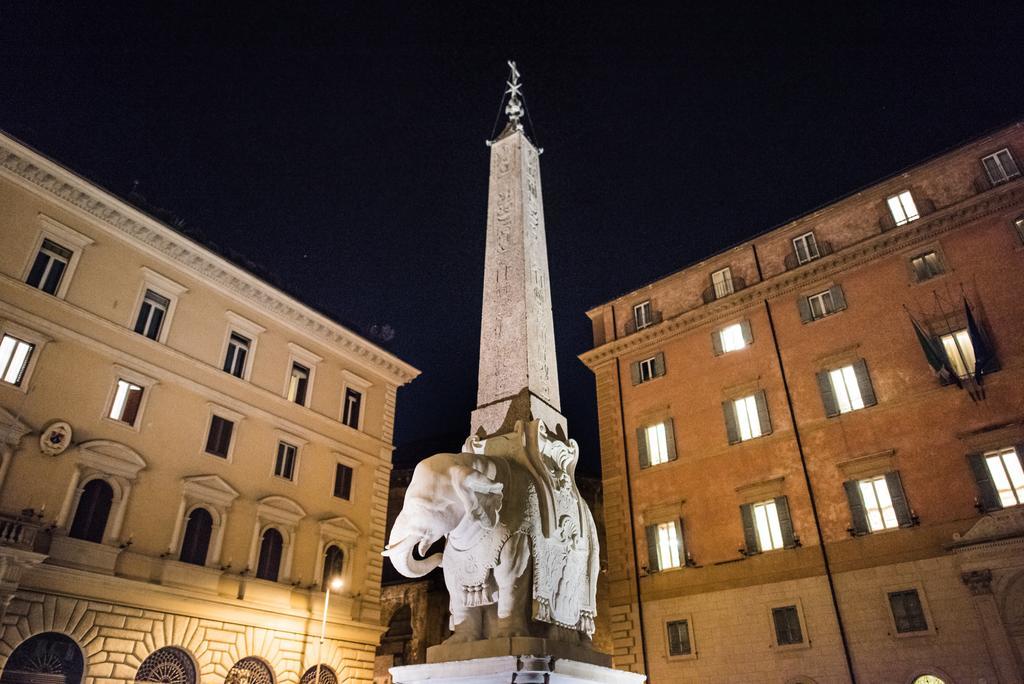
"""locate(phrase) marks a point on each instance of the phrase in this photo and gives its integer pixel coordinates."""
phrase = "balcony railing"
(712, 293)
(18, 530)
(632, 327)
(824, 249)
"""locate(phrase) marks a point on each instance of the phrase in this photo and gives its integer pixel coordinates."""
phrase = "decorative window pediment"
(111, 457)
(280, 509)
(339, 528)
(209, 488)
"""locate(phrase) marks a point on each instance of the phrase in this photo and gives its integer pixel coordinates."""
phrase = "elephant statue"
(520, 555)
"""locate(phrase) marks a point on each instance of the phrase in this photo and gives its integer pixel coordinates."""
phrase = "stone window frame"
(66, 237)
(358, 384)
(251, 330)
(352, 463)
(786, 603)
(307, 359)
(33, 337)
(917, 586)
(13, 431)
(147, 384)
(226, 413)
(291, 439)
(345, 534)
(677, 617)
(215, 495)
(284, 515)
(116, 464)
(163, 286)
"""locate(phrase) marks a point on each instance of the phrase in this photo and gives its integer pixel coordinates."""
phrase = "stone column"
(979, 582)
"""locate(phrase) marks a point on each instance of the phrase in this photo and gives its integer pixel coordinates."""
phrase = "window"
(821, 304)
(721, 281)
(351, 411)
(218, 440)
(151, 315)
(665, 546)
(49, 266)
(647, 369)
(334, 563)
(284, 465)
(1000, 166)
(731, 338)
(902, 208)
(656, 443)
(747, 418)
(196, 543)
(806, 248)
(1018, 224)
(907, 611)
(878, 503)
(343, 481)
(787, 626)
(127, 400)
(960, 352)
(90, 521)
(269, 565)
(237, 354)
(927, 265)
(298, 384)
(767, 525)
(642, 315)
(846, 389)
(679, 638)
(1000, 478)
(15, 355)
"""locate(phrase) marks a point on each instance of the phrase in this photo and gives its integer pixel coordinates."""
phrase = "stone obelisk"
(518, 377)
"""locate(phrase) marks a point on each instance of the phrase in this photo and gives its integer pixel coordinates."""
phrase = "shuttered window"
(747, 418)
(806, 248)
(907, 611)
(642, 315)
(847, 388)
(787, 626)
(656, 443)
(1000, 166)
(821, 304)
(1000, 477)
(927, 265)
(767, 526)
(665, 546)
(903, 208)
(878, 503)
(679, 638)
(721, 281)
(647, 369)
(731, 338)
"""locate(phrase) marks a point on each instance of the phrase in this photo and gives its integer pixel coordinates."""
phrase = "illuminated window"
(15, 355)
(1000, 166)
(766, 521)
(746, 418)
(903, 208)
(152, 314)
(788, 630)
(732, 338)
(49, 267)
(806, 248)
(298, 384)
(352, 408)
(878, 504)
(907, 611)
(927, 265)
(960, 352)
(767, 526)
(127, 399)
(722, 282)
(1004, 468)
(642, 315)
(670, 545)
(846, 389)
(284, 464)
(679, 638)
(237, 355)
(657, 444)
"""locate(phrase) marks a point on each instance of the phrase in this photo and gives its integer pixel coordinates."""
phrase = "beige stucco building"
(186, 452)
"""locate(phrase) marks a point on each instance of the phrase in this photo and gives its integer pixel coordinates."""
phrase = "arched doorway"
(47, 658)
(167, 665)
(397, 639)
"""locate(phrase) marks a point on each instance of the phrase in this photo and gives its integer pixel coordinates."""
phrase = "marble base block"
(524, 669)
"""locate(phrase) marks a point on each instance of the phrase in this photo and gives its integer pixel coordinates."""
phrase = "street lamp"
(334, 584)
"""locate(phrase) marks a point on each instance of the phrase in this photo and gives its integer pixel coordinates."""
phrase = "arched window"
(929, 679)
(167, 665)
(196, 542)
(397, 639)
(47, 658)
(327, 675)
(334, 561)
(250, 671)
(93, 510)
(269, 564)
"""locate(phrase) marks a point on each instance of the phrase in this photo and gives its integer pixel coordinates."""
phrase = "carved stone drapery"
(979, 582)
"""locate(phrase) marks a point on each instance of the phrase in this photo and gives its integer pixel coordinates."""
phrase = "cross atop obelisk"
(518, 377)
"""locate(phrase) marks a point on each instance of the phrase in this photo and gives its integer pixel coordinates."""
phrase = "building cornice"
(63, 185)
(927, 228)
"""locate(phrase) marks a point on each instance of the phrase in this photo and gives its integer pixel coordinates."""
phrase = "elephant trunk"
(402, 555)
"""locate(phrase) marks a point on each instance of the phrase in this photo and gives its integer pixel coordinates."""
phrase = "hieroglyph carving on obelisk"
(518, 378)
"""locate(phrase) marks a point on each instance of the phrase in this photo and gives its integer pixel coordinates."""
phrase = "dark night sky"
(341, 145)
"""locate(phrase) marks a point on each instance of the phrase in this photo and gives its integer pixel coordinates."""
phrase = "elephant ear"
(479, 492)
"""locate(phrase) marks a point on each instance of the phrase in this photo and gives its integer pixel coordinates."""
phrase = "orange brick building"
(792, 492)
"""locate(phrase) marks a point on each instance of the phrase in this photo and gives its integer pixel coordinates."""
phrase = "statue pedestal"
(524, 669)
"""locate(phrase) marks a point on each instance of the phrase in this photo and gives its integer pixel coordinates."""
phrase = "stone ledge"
(516, 646)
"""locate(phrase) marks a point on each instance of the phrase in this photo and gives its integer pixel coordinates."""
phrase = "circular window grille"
(327, 676)
(48, 658)
(168, 666)
(250, 671)
(928, 679)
